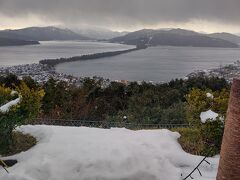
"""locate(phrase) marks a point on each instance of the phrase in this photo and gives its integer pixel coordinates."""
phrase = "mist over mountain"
(98, 33)
(42, 34)
(172, 37)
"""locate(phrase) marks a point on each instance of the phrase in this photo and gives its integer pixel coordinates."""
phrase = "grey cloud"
(125, 12)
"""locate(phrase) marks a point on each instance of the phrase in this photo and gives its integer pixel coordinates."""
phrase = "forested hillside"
(173, 37)
(141, 103)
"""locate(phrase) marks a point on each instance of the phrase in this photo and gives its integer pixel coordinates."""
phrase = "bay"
(16, 55)
(156, 64)
(153, 64)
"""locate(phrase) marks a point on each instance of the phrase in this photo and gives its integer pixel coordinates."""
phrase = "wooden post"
(229, 166)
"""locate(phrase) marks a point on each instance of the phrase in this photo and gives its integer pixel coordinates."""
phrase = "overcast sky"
(199, 15)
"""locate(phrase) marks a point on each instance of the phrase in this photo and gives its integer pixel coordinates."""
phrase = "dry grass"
(191, 140)
(21, 142)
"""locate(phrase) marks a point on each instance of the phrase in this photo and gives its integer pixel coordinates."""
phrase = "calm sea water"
(153, 64)
(52, 49)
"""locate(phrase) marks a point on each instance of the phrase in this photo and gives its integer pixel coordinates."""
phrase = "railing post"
(229, 166)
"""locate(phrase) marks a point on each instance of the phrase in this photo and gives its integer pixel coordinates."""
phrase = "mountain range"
(226, 36)
(42, 34)
(177, 37)
(149, 37)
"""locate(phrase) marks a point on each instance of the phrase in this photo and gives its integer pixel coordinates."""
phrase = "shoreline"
(227, 72)
(45, 69)
(42, 73)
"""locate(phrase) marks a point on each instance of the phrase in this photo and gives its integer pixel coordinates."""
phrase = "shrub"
(212, 133)
(191, 140)
(5, 95)
(19, 114)
(205, 141)
(198, 102)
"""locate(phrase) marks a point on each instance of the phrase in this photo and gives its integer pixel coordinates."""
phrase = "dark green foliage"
(175, 114)
(177, 102)
(30, 82)
(212, 133)
(145, 102)
(203, 83)
(142, 103)
(204, 141)
(19, 114)
(10, 81)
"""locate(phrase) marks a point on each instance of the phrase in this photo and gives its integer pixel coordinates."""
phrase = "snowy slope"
(71, 153)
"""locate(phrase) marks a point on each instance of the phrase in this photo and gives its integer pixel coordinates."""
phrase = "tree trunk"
(229, 166)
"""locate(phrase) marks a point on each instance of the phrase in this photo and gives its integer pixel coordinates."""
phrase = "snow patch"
(80, 153)
(208, 115)
(209, 95)
(14, 93)
(5, 108)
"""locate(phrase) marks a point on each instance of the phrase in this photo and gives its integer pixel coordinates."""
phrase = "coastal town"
(43, 72)
(227, 72)
(39, 72)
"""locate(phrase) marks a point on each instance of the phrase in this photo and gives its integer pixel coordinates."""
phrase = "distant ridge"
(226, 36)
(172, 37)
(42, 34)
(16, 42)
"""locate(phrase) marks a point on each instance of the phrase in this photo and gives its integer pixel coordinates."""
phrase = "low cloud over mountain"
(124, 14)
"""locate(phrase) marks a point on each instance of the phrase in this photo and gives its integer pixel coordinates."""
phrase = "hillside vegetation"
(177, 102)
(174, 37)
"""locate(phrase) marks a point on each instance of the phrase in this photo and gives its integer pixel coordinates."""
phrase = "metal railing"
(105, 124)
(196, 169)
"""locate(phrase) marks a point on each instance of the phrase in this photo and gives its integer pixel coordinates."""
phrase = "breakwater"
(54, 62)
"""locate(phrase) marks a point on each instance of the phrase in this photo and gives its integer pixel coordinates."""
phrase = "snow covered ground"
(72, 153)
